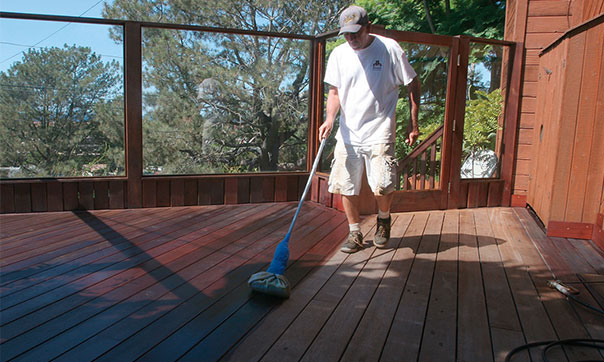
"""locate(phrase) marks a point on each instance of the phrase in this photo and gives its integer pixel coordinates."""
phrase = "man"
(364, 75)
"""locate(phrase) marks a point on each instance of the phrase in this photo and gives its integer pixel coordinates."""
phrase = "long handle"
(308, 183)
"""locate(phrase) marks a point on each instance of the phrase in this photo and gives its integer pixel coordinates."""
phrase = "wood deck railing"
(433, 165)
(420, 169)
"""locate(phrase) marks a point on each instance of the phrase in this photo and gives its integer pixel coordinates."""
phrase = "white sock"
(383, 214)
(355, 227)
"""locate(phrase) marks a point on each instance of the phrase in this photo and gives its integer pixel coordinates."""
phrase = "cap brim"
(352, 28)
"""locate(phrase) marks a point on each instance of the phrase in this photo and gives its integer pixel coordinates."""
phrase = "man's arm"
(333, 106)
(413, 127)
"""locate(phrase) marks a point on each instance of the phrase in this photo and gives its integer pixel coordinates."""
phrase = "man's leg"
(382, 232)
(382, 178)
(351, 208)
(354, 242)
(384, 202)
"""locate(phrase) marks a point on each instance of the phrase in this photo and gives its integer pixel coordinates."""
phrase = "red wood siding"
(565, 188)
(537, 24)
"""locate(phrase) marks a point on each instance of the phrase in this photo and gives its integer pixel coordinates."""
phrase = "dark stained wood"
(213, 345)
(324, 194)
(177, 192)
(149, 193)
(260, 340)
(281, 188)
(133, 84)
(170, 283)
(416, 200)
(243, 190)
(477, 194)
(495, 194)
(116, 194)
(262, 189)
(163, 192)
(190, 192)
(101, 195)
(314, 188)
(230, 191)
(86, 195)
(7, 198)
(38, 198)
(211, 191)
(22, 198)
(302, 179)
(177, 238)
(337, 202)
(70, 196)
(292, 188)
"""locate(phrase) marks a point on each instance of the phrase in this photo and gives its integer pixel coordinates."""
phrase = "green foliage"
(218, 103)
(481, 121)
(479, 18)
(61, 114)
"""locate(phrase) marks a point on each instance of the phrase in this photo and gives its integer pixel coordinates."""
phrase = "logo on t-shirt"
(377, 65)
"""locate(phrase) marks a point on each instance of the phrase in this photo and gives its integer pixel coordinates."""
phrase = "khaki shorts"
(350, 161)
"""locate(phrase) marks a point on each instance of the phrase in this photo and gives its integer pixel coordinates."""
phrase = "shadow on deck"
(170, 284)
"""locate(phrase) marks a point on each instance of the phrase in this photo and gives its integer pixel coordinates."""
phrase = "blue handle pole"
(281, 256)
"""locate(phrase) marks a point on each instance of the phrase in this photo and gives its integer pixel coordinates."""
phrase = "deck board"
(167, 284)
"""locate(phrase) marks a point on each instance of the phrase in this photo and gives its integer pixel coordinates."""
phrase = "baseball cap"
(352, 19)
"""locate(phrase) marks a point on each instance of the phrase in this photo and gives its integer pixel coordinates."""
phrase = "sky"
(17, 36)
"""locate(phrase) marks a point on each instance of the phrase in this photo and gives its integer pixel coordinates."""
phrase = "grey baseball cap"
(352, 19)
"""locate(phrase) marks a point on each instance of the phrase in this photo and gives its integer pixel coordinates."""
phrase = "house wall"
(565, 187)
(536, 24)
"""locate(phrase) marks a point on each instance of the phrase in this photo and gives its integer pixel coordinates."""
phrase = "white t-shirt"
(368, 83)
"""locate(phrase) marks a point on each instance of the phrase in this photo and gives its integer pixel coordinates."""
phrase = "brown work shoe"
(382, 233)
(353, 243)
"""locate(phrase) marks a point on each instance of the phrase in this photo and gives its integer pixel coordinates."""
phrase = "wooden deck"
(169, 284)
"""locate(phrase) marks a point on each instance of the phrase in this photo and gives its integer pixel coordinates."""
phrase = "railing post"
(510, 127)
(459, 108)
(450, 112)
(316, 88)
(134, 112)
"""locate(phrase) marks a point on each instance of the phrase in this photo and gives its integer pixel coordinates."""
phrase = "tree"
(56, 104)
(218, 102)
(479, 18)
(480, 122)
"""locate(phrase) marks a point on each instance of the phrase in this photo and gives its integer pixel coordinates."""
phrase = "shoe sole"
(350, 251)
(381, 246)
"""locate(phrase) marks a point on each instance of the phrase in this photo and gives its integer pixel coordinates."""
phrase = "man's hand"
(333, 106)
(411, 135)
(325, 129)
(413, 127)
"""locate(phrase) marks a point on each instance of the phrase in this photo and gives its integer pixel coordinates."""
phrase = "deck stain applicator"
(272, 281)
